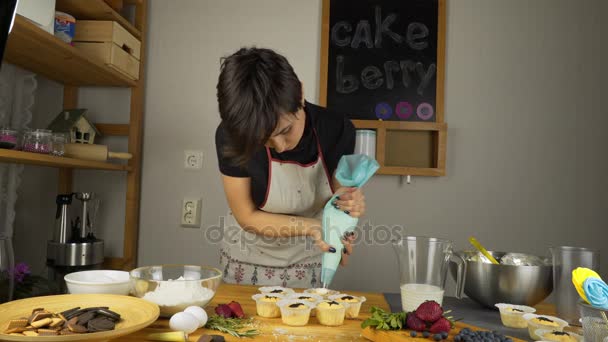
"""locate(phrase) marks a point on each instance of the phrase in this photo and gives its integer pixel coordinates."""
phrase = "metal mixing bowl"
(489, 284)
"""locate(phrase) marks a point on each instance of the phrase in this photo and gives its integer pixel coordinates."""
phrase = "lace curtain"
(17, 90)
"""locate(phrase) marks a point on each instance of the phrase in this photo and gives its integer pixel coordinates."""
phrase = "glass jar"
(8, 138)
(59, 140)
(38, 141)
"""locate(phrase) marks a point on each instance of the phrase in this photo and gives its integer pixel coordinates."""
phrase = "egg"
(199, 313)
(183, 321)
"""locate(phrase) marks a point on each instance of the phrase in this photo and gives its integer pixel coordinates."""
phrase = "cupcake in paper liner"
(512, 316)
(354, 303)
(325, 293)
(331, 313)
(295, 312)
(536, 322)
(558, 336)
(266, 304)
(308, 297)
(278, 290)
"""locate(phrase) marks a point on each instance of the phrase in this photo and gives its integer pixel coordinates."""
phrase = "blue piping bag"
(353, 170)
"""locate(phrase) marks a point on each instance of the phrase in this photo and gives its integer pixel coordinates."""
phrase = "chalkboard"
(384, 59)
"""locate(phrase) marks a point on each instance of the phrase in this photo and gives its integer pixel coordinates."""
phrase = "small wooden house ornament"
(75, 123)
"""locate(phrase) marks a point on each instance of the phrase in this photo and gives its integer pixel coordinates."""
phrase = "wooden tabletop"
(272, 329)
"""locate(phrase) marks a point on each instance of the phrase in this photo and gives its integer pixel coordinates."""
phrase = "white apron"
(293, 189)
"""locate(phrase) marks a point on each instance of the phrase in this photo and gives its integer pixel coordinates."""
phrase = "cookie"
(101, 324)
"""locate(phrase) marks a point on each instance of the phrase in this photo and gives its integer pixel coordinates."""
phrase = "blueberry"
(437, 337)
(426, 334)
(444, 335)
(457, 338)
(413, 334)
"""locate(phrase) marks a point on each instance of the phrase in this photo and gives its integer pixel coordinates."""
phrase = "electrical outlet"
(193, 159)
(191, 213)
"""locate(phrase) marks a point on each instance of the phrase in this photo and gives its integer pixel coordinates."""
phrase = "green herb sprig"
(232, 326)
(382, 320)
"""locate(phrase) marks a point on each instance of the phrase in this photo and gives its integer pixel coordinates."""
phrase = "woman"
(277, 154)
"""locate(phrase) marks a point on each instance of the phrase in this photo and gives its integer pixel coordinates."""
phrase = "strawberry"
(429, 311)
(442, 325)
(237, 310)
(414, 323)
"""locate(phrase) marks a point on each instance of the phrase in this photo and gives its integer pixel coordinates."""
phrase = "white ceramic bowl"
(98, 281)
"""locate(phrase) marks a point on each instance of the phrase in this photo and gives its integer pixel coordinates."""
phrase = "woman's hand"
(351, 201)
(348, 247)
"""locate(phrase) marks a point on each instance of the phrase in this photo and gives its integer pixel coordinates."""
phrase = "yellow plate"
(135, 314)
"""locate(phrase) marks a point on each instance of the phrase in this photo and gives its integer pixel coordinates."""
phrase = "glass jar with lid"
(8, 138)
(38, 141)
(58, 141)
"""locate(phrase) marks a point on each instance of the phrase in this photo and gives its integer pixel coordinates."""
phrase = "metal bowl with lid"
(488, 284)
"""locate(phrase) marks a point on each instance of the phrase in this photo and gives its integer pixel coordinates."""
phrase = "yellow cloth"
(579, 275)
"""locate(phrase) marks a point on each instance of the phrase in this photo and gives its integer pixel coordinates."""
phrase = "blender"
(74, 246)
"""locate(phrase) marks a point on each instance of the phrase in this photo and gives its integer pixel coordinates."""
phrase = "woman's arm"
(250, 218)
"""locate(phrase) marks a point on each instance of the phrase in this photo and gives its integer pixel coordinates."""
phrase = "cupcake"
(331, 313)
(558, 336)
(354, 303)
(295, 312)
(512, 316)
(313, 299)
(276, 290)
(266, 305)
(536, 322)
(325, 293)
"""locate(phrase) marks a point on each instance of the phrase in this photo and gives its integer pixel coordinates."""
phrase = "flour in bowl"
(179, 292)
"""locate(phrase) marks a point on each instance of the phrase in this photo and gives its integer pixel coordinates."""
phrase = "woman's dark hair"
(256, 86)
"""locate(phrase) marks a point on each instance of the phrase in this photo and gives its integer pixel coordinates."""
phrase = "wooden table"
(272, 329)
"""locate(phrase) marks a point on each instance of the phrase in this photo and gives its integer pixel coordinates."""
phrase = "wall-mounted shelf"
(36, 50)
(427, 159)
(20, 157)
(95, 10)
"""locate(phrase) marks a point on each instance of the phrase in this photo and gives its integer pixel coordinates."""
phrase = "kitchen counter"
(274, 330)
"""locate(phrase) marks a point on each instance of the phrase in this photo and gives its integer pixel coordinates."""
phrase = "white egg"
(199, 313)
(183, 321)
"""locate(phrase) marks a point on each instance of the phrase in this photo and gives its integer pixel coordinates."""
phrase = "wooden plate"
(136, 314)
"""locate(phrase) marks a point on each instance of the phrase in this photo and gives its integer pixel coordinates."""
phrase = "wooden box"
(110, 43)
(113, 56)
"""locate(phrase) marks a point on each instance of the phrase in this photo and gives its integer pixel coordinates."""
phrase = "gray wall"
(526, 140)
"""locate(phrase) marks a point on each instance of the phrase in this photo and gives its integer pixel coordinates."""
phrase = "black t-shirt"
(336, 136)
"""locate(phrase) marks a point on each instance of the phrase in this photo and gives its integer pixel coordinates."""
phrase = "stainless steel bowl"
(489, 284)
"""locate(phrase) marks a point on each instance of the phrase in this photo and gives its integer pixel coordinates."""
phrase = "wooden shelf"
(95, 10)
(36, 50)
(20, 157)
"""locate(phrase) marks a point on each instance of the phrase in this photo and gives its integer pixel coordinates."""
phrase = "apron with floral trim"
(293, 189)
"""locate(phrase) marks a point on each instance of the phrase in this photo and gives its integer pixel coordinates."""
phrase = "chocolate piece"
(296, 305)
(68, 312)
(560, 333)
(545, 319)
(211, 338)
(276, 291)
(333, 303)
(270, 297)
(73, 320)
(347, 298)
(42, 322)
(304, 298)
(101, 324)
(109, 313)
(517, 310)
(77, 328)
(85, 317)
